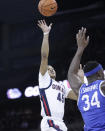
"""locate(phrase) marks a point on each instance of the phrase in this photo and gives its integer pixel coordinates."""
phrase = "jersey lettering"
(60, 97)
(93, 102)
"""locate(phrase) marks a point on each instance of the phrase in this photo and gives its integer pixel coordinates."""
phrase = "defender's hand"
(81, 73)
(44, 27)
(82, 40)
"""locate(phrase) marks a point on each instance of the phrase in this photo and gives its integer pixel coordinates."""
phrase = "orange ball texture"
(47, 7)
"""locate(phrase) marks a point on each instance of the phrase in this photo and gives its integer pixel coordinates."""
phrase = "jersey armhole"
(47, 87)
(67, 87)
(79, 93)
(78, 97)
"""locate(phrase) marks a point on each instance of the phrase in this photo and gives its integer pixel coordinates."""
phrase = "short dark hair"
(90, 65)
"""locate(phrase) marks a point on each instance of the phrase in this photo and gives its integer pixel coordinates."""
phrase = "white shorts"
(52, 125)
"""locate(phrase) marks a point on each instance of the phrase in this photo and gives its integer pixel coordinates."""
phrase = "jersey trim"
(101, 90)
(45, 104)
(78, 97)
(79, 94)
(51, 124)
(44, 100)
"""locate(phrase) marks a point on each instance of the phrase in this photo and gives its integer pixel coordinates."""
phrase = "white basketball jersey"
(52, 94)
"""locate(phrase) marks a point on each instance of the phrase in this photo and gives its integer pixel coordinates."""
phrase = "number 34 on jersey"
(93, 101)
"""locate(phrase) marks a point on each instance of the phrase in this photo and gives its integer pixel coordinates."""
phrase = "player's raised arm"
(73, 78)
(80, 73)
(45, 45)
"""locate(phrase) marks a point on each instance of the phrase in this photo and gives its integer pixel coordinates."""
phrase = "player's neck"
(53, 78)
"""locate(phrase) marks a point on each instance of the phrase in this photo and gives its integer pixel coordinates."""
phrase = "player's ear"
(99, 75)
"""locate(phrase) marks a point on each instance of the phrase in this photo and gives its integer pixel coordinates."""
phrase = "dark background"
(20, 43)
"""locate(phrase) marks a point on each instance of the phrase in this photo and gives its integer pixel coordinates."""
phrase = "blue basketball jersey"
(91, 103)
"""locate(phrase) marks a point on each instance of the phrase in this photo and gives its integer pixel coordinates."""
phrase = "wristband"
(45, 33)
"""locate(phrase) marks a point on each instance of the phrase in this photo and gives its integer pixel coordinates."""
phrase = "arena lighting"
(13, 93)
(31, 91)
(36, 91)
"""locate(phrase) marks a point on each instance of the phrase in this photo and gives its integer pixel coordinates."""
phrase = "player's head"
(51, 72)
(93, 69)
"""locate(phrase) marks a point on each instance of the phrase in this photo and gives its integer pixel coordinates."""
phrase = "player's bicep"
(44, 80)
(43, 65)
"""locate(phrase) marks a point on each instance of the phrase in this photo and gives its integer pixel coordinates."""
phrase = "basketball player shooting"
(52, 93)
(91, 96)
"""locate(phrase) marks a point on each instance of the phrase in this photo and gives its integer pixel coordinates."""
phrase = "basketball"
(47, 7)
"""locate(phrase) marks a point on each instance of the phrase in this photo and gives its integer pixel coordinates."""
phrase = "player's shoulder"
(44, 77)
(66, 83)
(99, 83)
(102, 83)
(102, 87)
(46, 73)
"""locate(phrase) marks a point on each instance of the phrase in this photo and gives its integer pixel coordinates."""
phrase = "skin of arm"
(45, 45)
(73, 77)
(72, 95)
(80, 73)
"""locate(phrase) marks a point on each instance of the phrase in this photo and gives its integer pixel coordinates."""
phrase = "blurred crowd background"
(20, 43)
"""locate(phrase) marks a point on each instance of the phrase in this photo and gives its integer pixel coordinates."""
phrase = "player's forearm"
(73, 78)
(45, 46)
(74, 66)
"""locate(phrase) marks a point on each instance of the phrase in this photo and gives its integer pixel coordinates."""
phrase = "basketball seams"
(49, 4)
(43, 9)
(49, 10)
